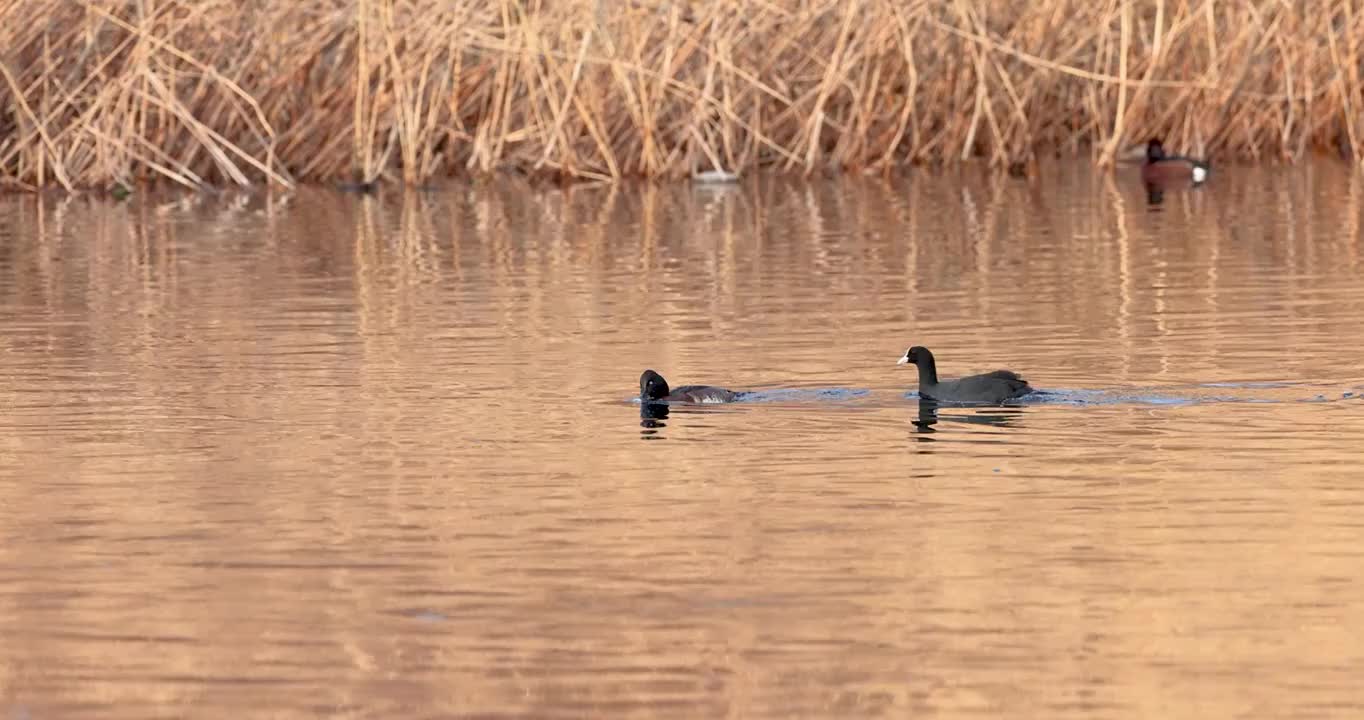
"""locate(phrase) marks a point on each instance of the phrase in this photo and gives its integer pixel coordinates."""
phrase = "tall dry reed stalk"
(104, 92)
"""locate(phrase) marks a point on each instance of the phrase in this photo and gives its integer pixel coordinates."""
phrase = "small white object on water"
(715, 177)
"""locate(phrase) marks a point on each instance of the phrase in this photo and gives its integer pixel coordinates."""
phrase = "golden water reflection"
(322, 454)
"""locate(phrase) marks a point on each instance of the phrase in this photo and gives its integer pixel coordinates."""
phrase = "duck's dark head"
(916, 355)
(652, 386)
(1154, 150)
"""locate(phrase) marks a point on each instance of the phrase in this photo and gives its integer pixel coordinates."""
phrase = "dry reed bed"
(95, 93)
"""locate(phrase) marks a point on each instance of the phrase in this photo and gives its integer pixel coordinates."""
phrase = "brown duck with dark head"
(1162, 169)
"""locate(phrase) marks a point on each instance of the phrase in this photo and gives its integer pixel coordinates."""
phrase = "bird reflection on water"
(651, 417)
(653, 414)
(999, 416)
(1155, 194)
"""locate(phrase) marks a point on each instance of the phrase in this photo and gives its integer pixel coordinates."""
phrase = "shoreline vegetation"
(107, 94)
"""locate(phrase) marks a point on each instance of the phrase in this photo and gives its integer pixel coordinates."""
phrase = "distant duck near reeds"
(715, 177)
(1162, 169)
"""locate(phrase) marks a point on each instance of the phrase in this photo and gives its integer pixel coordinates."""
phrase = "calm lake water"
(330, 455)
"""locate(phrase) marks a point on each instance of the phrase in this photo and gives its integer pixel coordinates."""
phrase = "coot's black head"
(652, 386)
(1154, 150)
(916, 355)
